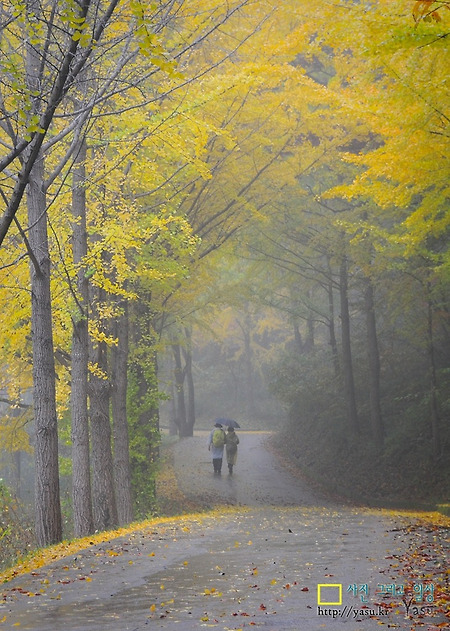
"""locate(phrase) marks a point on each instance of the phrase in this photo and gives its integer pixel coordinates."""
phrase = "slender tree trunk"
(331, 323)
(248, 371)
(81, 478)
(190, 409)
(297, 336)
(105, 511)
(122, 473)
(347, 365)
(47, 496)
(179, 374)
(376, 416)
(173, 421)
(298, 341)
(16, 460)
(143, 410)
(104, 500)
(247, 385)
(17, 456)
(310, 330)
(434, 411)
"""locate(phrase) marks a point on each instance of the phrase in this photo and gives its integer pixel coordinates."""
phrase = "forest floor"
(402, 475)
(264, 549)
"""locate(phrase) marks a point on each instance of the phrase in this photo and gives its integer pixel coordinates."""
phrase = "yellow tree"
(386, 81)
(402, 93)
(75, 34)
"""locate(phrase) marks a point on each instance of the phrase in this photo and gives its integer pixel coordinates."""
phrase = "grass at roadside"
(170, 500)
(430, 518)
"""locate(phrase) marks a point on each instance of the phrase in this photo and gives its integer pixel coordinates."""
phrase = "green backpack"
(218, 438)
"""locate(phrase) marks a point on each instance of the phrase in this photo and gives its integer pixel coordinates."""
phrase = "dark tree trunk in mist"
(331, 323)
(81, 477)
(297, 336)
(17, 459)
(347, 364)
(173, 423)
(47, 496)
(122, 473)
(179, 375)
(310, 330)
(434, 408)
(248, 370)
(376, 416)
(190, 409)
(248, 382)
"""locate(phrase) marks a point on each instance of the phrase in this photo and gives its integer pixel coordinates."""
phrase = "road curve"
(280, 557)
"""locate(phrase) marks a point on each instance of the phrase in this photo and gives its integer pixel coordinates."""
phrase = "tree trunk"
(122, 473)
(143, 408)
(247, 383)
(248, 372)
(173, 421)
(190, 410)
(179, 375)
(105, 510)
(81, 478)
(298, 341)
(47, 496)
(331, 323)
(18, 473)
(376, 416)
(347, 366)
(310, 329)
(434, 411)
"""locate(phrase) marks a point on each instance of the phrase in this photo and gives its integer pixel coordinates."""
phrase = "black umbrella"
(228, 422)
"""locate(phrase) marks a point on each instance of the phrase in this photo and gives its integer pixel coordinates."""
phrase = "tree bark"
(347, 365)
(310, 329)
(331, 323)
(190, 409)
(122, 473)
(143, 410)
(434, 408)
(376, 416)
(81, 477)
(179, 374)
(248, 371)
(298, 341)
(104, 500)
(47, 495)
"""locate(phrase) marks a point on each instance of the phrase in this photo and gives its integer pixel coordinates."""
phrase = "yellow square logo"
(329, 594)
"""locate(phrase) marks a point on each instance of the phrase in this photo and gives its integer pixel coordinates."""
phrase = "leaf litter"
(235, 564)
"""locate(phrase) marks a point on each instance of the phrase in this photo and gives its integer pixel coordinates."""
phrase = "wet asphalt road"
(256, 563)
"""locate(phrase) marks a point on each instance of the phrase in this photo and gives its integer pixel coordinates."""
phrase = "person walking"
(232, 441)
(216, 443)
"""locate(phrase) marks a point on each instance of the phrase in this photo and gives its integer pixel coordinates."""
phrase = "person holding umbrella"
(216, 443)
(232, 441)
